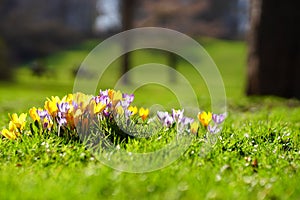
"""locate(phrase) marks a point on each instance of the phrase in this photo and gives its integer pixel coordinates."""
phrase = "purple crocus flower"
(104, 100)
(127, 113)
(186, 121)
(63, 107)
(128, 98)
(168, 121)
(106, 112)
(103, 93)
(183, 123)
(218, 118)
(177, 114)
(75, 105)
(45, 118)
(45, 124)
(97, 99)
(124, 103)
(165, 118)
(42, 114)
(61, 119)
(162, 115)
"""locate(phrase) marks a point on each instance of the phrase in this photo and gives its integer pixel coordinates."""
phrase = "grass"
(256, 155)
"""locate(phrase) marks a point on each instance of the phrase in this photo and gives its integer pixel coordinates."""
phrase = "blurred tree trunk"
(127, 12)
(6, 66)
(274, 48)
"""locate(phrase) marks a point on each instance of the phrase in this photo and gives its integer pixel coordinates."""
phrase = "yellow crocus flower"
(204, 118)
(19, 121)
(97, 108)
(68, 98)
(133, 109)
(194, 127)
(82, 100)
(33, 114)
(8, 134)
(115, 96)
(12, 126)
(51, 105)
(143, 113)
(111, 93)
(120, 110)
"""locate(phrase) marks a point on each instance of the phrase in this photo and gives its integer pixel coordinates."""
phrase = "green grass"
(257, 155)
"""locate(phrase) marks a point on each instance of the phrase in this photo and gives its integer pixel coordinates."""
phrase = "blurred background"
(254, 43)
(31, 29)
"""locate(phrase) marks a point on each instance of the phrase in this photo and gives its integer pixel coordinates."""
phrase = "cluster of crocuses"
(16, 126)
(209, 121)
(80, 111)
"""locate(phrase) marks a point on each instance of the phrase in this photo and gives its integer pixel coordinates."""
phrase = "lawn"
(256, 155)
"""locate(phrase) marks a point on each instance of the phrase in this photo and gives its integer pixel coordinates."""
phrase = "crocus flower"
(63, 107)
(61, 119)
(115, 96)
(106, 112)
(162, 115)
(68, 98)
(19, 121)
(186, 121)
(33, 114)
(218, 119)
(47, 123)
(81, 100)
(194, 127)
(104, 99)
(120, 110)
(110, 93)
(43, 113)
(51, 105)
(103, 93)
(8, 134)
(177, 114)
(204, 118)
(12, 127)
(133, 110)
(128, 98)
(123, 103)
(143, 113)
(15, 127)
(98, 107)
(63, 113)
(165, 118)
(45, 119)
(127, 114)
(168, 121)
(75, 105)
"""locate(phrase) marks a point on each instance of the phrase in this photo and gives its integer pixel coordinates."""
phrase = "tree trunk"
(274, 48)
(127, 10)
